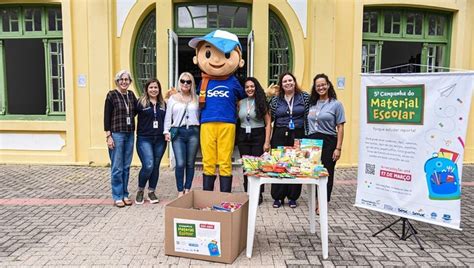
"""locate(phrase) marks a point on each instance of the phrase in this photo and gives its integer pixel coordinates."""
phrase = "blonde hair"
(144, 100)
(119, 75)
(192, 90)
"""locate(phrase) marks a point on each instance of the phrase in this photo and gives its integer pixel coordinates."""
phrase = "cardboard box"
(206, 235)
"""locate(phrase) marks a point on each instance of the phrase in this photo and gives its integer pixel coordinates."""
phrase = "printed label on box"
(197, 237)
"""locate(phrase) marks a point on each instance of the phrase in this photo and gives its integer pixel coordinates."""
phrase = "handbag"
(173, 133)
(174, 130)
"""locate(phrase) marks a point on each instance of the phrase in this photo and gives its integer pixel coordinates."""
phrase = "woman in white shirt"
(182, 119)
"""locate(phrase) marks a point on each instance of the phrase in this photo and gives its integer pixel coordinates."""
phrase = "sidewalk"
(63, 216)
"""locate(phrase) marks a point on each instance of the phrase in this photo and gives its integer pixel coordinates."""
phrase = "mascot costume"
(218, 55)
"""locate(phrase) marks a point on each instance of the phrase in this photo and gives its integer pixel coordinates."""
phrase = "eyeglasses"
(124, 79)
(185, 81)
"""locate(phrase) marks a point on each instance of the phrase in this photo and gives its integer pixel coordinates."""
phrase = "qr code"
(370, 169)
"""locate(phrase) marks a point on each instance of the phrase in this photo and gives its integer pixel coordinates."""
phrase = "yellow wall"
(332, 46)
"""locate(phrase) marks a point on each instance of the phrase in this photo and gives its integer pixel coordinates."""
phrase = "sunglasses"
(185, 81)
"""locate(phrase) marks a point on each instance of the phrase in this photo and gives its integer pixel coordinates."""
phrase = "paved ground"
(63, 216)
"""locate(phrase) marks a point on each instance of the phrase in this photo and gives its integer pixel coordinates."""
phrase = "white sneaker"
(152, 197)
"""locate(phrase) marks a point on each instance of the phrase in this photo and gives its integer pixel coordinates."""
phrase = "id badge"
(248, 129)
(129, 120)
(155, 124)
(291, 125)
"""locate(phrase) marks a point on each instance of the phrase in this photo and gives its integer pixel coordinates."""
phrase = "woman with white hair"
(119, 126)
(182, 128)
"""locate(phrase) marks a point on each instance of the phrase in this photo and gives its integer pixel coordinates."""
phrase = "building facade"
(58, 57)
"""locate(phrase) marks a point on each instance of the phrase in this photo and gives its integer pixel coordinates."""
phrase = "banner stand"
(407, 230)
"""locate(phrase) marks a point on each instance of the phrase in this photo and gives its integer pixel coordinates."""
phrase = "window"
(435, 57)
(436, 25)
(392, 22)
(201, 19)
(193, 20)
(370, 50)
(31, 55)
(414, 23)
(370, 22)
(145, 52)
(279, 49)
(405, 40)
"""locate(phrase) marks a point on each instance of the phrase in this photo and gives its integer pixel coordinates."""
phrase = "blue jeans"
(150, 150)
(121, 157)
(185, 147)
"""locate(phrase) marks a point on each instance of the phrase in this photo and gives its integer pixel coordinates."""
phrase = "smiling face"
(288, 84)
(153, 90)
(322, 87)
(250, 89)
(185, 84)
(124, 82)
(213, 62)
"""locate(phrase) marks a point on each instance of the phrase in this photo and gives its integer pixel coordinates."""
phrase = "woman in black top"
(255, 124)
(289, 111)
(151, 144)
(119, 126)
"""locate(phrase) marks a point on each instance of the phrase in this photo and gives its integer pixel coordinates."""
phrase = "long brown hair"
(261, 105)
(314, 94)
(280, 84)
(145, 99)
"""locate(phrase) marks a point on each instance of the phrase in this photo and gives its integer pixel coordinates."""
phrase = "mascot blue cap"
(222, 40)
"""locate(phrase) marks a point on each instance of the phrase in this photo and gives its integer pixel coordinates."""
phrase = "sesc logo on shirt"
(219, 92)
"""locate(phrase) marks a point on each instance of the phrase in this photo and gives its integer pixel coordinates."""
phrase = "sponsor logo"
(434, 215)
(218, 92)
(371, 203)
(446, 218)
(206, 226)
(402, 210)
(415, 213)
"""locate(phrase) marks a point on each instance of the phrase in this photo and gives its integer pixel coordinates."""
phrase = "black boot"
(226, 183)
(208, 182)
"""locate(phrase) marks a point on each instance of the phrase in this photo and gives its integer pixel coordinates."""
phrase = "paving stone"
(68, 219)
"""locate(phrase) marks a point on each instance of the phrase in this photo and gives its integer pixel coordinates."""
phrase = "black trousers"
(251, 144)
(282, 136)
(329, 145)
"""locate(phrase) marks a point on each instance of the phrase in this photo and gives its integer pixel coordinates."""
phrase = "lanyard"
(249, 109)
(154, 110)
(290, 105)
(126, 103)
